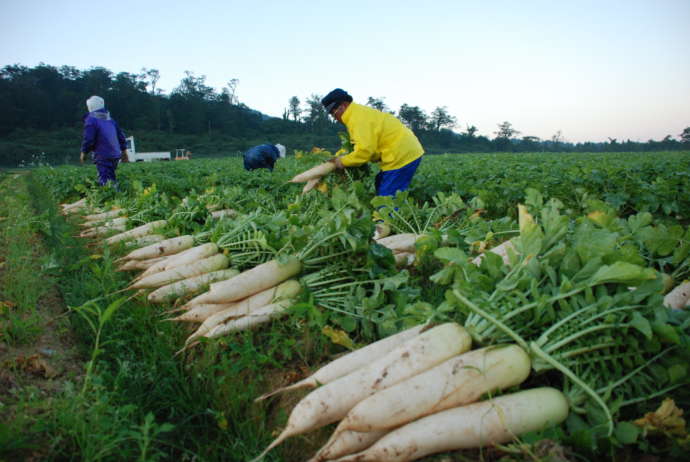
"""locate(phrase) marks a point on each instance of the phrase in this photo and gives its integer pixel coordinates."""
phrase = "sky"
(591, 69)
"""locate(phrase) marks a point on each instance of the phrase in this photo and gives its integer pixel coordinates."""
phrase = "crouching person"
(104, 138)
(263, 156)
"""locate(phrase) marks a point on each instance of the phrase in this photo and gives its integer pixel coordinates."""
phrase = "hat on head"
(334, 98)
(281, 150)
(95, 103)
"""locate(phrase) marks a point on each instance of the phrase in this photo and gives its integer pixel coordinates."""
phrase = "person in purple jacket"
(105, 139)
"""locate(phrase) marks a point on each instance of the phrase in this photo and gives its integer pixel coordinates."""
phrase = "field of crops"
(592, 245)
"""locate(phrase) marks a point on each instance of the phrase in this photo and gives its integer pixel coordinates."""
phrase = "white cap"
(95, 103)
(281, 150)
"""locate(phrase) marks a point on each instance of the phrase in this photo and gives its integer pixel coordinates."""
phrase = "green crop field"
(120, 370)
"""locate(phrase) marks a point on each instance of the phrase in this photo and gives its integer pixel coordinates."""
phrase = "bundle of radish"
(351, 361)
(110, 226)
(494, 421)
(139, 265)
(333, 401)
(189, 286)
(102, 216)
(222, 319)
(212, 314)
(184, 257)
(177, 273)
(314, 173)
(137, 232)
(249, 282)
(460, 380)
(74, 207)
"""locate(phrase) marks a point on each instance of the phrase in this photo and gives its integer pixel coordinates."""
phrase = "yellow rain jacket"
(379, 137)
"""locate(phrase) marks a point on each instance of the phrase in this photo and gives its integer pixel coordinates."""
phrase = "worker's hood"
(100, 114)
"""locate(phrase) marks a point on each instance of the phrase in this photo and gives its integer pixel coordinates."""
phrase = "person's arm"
(364, 141)
(88, 139)
(123, 143)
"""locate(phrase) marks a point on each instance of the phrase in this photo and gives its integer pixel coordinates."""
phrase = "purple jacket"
(103, 136)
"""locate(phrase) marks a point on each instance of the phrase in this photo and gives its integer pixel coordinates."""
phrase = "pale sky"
(592, 69)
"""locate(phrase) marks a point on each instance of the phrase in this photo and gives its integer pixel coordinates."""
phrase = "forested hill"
(43, 106)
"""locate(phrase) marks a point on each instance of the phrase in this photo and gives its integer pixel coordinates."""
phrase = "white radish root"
(160, 249)
(501, 250)
(679, 297)
(351, 361)
(489, 422)
(206, 265)
(314, 172)
(189, 286)
(139, 231)
(399, 242)
(261, 277)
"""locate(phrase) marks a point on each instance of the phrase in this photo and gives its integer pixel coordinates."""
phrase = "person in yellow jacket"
(377, 137)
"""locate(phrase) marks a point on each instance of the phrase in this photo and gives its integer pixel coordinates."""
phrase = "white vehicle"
(135, 156)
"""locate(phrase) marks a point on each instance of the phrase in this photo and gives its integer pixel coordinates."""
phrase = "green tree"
(294, 109)
(377, 103)
(317, 117)
(685, 136)
(506, 131)
(440, 118)
(413, 117)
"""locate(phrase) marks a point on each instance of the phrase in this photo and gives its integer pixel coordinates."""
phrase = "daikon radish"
(404, 259)
(103, 230)
(108, 222)
(139, 231)
(224, 213)
(253, 319)
(314, 172)
(351, 361)
(311, 184)
(382, 230)
(679, 297)
(167, 247)
(288, 289)
(206, 265)
(188, 286)
(460, 380)
(261, 277)
(489, 422)
(347, 442)
(202, 311)
(138, 265)
(501, 250)
(182, 258)
(145, 240)
(74, 206)
(333, 401)
(399, 242)
(114, 212)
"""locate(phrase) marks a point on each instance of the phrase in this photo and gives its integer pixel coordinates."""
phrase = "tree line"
(45, 98)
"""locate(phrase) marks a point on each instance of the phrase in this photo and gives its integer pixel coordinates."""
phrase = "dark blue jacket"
(103, 136)
(262, 156)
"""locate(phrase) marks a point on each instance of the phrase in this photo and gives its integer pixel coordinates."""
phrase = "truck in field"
(135, 156)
